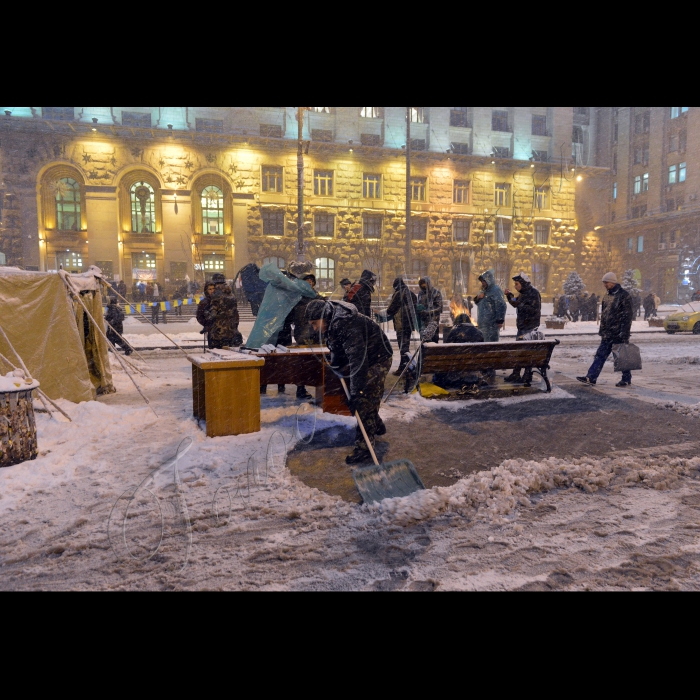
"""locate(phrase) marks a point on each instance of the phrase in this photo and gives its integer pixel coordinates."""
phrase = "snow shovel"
(393, 480)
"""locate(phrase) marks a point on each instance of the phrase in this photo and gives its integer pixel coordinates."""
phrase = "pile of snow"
(684, 361)
(692, 410)
(15, 381)
(494, 495)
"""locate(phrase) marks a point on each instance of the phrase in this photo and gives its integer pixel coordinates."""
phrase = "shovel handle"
(359, 422)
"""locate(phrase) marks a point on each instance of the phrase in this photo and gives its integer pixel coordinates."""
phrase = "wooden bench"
(306, 366)
(479, 357)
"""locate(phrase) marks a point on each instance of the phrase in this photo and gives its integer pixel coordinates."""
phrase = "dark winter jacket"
(529, 306)
(303, 333)
(253, 286)
(492, 307)
(115, 318)
(224, 312)
(402, 307)
(465, 332)
(205, 315)
(616, 318)
(356, 343)
(429, 303)
(361, 293)
(562, 307)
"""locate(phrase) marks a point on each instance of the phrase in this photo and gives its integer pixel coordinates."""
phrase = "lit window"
(614, 194)
(143, 261)
(67, 204)
(630, 244)
(461, 229)
(677, 111)
(542, 229)
(418, 115)
(271, 178)
(460, 192)
(502, 195)
(324, 225)
(418, 189)
(637, 184)
(70, 262)
(143, 208)
(323, 183)
(542, 197)
(645, 182)
(640, 244)
(322, 110)
(212, 211)
(325, 274)
(214, 263)
(371, 112)
(681, 172)
(372, 226)
(372, 186)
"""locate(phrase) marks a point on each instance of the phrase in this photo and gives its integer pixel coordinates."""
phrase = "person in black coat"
(464, 331)
(361, 354)
(115, 331)
(615, 328)
(528, 304)
(361, 293)
(402, 309)
(429, 308)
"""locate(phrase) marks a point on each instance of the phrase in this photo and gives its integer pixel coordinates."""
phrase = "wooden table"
(226, 391)
(307, 366)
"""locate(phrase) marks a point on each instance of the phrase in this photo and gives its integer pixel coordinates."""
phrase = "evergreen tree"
(629, 282)
(574, 285)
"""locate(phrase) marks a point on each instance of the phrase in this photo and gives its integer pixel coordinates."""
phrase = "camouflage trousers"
(368, 406)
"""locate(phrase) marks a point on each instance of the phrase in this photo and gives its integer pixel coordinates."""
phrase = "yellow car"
(686, 320)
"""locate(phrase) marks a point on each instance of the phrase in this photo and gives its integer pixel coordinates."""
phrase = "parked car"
(684, 321)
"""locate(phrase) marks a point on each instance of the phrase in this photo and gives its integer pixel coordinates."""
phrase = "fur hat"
(300, 268)
(610, 277)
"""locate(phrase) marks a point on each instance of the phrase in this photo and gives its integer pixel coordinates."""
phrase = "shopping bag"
(627, 357)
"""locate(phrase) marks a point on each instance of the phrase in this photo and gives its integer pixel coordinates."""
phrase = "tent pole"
(151, 322)
(116, 354)
(125, 340)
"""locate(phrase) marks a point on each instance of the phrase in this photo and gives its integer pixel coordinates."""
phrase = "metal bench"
(479, 357)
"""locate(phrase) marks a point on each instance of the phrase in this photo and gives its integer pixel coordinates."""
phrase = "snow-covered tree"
(574, 284)
(629, 282)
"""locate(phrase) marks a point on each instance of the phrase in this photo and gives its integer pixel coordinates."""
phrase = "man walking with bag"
(615, 329)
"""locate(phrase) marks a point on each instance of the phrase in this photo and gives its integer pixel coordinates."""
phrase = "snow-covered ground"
(106, 506)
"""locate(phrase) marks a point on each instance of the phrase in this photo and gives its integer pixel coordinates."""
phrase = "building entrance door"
(668, 284)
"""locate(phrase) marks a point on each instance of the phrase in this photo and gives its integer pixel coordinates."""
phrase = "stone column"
(101, 208)
(177, 230)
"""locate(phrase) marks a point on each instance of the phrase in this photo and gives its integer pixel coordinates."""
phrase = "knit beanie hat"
(610, 277)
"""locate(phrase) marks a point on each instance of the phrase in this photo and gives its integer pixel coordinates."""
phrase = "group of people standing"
(577, 307)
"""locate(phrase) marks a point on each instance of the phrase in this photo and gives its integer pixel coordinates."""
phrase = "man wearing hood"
(360, 294)
(361, 354)
(402, 309)
(429, 308)
(205, 314)
(491, 307)
(463, 331)
(615, 328)
(223, 308)
(529, 306)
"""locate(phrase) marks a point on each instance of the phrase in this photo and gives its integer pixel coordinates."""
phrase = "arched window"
(143, 208)
(67, 204)
(212, 211)
(277, 261)
(325, 274)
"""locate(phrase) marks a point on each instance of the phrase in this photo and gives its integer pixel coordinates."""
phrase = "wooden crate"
(559, 325)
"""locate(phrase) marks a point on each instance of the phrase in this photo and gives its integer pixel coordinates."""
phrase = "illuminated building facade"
(646, 214)
(164, 192)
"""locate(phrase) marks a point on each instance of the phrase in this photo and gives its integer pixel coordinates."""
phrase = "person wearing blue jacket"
(491, 307)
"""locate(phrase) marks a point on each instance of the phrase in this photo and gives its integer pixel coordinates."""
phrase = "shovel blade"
(392, 480)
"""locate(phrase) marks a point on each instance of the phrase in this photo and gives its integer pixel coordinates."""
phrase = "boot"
(281, 389)
(527, 379)
(513, 377)
(358, 456)
(302, 394)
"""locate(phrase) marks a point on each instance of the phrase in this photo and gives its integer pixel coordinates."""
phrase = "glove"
(381, 317)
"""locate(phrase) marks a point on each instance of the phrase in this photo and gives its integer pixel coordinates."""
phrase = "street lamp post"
(408, 191)
(300, 183)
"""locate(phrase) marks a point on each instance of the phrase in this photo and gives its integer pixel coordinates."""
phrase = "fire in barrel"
(18, 441)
